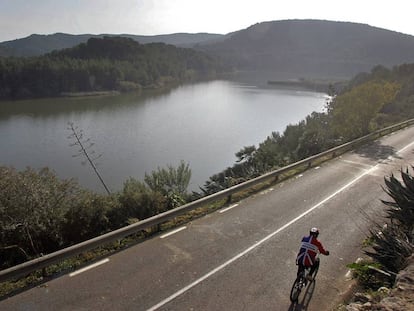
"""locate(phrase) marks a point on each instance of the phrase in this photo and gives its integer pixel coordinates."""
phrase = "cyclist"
(309, 248)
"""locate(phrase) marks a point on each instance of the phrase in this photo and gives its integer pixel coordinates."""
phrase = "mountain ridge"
(312, 46)
(37, 44)
(305, 48)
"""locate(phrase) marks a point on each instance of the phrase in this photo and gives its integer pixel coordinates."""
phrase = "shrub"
(33, 205)
(137, 202)
(89, 218)
(171, 182)
(367, 276)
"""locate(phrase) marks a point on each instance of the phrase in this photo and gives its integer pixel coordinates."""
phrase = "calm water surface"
(204, 124)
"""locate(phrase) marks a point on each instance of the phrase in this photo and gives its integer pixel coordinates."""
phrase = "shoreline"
(313, 85)
(88, 94)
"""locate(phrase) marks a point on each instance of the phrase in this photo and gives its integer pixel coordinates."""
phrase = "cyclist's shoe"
(309, 278)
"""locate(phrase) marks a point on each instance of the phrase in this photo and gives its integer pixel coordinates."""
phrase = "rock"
(353, 307)
(360, 297)
(384, 290)
(399, 298)
(395, 304)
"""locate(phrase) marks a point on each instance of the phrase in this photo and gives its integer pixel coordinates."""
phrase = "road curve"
(243, 257)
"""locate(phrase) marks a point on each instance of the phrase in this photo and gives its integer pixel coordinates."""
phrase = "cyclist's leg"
(300, 269)
(314, 266)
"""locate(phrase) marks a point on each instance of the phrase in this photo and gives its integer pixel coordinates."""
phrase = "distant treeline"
(107, 64)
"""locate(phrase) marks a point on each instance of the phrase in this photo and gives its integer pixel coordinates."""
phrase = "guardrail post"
(229, 198)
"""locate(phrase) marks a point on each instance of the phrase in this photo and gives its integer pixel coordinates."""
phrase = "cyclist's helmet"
(314, 231)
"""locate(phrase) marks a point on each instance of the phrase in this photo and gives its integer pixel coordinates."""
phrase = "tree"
(353, 112)
(316, 136)
(290, 140)
(269, 155)
(85, 145)
(246, 154)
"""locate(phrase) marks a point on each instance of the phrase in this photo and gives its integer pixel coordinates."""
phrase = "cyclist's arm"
(321, 249)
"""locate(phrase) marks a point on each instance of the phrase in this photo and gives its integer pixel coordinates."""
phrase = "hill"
(102, 65)
(313, 47)
(35, 45)
(290, 48)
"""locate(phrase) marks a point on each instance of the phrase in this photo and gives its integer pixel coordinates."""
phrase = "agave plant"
(390, 247)
(401, 209)
(393, 243)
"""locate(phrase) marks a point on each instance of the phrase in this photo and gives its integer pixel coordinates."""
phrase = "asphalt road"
(243, 257)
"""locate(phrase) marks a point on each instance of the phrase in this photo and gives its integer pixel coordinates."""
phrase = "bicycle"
(301, 282)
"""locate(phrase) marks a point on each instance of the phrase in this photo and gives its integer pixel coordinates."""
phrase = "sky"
(21, 18)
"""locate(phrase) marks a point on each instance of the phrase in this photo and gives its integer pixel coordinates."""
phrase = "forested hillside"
(107, 64)
(291, 48)
(36, 45)
(313, 48)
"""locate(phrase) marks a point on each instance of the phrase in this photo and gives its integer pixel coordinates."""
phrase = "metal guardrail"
(44, 261)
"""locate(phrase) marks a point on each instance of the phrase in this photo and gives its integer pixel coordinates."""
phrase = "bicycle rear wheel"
(295, 291)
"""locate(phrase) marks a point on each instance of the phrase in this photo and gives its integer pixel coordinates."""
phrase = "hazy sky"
(20, 18)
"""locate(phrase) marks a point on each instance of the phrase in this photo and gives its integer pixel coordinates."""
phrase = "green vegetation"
(394, 243)
(172, 183)
(368, 277)
(390, 245)
(369, 102)
(107, 64)
(40, 214)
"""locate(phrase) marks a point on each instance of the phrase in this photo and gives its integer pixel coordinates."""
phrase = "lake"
(204, 124)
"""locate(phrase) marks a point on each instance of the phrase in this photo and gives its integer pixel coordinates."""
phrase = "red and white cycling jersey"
(309, 248)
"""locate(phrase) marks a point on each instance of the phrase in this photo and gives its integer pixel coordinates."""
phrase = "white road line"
(173, 232)
(356, 163)
(196, 282)
(228, 208)
(406, 147)
(96, 264)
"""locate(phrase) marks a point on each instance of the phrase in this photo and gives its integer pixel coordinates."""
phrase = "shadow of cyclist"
(303, 304)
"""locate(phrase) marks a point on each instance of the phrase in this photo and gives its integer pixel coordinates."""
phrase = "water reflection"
(204, 124)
